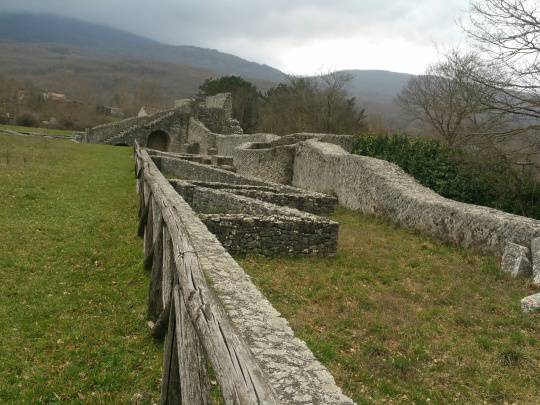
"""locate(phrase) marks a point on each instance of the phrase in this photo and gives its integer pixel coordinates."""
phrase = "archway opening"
(121, 144)
(158, 140)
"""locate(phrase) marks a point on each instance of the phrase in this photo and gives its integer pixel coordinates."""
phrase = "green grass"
(42, 131)
(400, 318)
(73, 290)
(396, 317)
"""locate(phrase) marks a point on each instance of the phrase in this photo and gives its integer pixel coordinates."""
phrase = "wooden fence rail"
(185, 309)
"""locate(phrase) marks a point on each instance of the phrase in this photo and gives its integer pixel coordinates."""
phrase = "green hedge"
(456, 174)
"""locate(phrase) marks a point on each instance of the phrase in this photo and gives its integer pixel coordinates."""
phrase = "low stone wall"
(193, 172)
(378, 187)
(314, 203)
(248, 226)
(244, 234)
(196, 171)
(226, 144)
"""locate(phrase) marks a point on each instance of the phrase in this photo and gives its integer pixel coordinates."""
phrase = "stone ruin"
(200, 140)
(206, 191)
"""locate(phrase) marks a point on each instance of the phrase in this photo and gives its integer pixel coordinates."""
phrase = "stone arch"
(158, 140)
(121, 144)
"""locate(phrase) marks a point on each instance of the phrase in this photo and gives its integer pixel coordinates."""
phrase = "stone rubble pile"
(523, 261)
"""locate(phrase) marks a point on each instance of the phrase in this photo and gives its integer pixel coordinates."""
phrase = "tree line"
(302, 104)
(484, 103)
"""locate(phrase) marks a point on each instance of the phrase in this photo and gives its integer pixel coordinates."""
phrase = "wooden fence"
(185, 309)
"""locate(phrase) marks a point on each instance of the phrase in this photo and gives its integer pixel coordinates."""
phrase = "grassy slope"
(73, 291)
(399, 318)
(43, 131)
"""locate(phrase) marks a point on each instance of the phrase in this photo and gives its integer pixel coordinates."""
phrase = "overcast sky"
(296, 36)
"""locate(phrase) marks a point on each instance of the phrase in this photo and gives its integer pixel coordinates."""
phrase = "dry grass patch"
(401, 318)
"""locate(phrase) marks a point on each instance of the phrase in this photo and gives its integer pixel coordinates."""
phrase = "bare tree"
(507, 35)
(448, 100)
(312, 104)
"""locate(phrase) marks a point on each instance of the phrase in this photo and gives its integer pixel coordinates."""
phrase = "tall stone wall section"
(269, 163)
(274, 160)
(199, 134)
(378, 187)
(215, 112)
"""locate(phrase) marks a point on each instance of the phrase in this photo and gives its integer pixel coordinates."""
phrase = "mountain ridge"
(52, 50)
(48, 28)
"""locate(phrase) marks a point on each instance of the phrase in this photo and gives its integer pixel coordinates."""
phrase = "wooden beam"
(155, 299)
(194, 382)
(170, 381)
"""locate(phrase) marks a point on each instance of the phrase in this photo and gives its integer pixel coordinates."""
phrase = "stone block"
(515, 260)
(531, 303)
(535, 253)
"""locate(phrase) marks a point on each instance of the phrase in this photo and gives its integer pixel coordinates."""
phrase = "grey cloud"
(262, 25)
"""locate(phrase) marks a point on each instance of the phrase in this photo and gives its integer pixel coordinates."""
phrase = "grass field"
(396, 317)
(73, 290)
(399, 318)
(42, 131)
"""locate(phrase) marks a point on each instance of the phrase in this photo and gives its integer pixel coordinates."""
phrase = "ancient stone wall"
(211, 177)
(215, 112)
(378, 187)
(103, 132)
(345, 141)
(249, 226)
(191, 126)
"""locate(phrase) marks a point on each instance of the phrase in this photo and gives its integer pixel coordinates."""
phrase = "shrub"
(27, 120)
(457, 174)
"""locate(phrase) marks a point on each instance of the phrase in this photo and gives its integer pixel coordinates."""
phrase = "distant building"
(51, 96)
(147, 111)
(184, 102)
(21, 94)
(108, 110)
